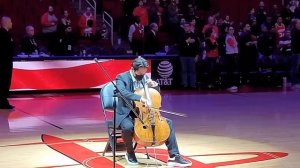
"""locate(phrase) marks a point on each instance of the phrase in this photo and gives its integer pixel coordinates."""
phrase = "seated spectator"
(28, 43)
(87, 23)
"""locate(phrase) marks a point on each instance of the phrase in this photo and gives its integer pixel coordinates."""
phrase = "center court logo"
(165, 71)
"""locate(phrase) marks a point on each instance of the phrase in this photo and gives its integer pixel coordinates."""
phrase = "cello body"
(155, 130)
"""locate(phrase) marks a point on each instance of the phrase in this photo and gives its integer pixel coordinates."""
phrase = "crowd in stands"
(267, 42)
(59, 36)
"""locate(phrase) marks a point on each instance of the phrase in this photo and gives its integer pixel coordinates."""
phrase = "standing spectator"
(65, 20)
(261, 13)
(66, 43)
(255, 29)
(231, 47)
(251, 15)
(248, 53)
(275, 12)
(285, 49)
(173, 20)
(142, 13)
(287, 15)
(227, 21)
(266, 46)
(87, 23)
(212, 54)
(6, 61)
(296, 54)
(29, 44)
(136, 37)
(189, 54)
(211, 24)
(49, 23)
(156, 13)
(280, 28)
(151, 40)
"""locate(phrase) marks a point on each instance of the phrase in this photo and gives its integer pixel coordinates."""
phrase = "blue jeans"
(295, 62)
(188, 71)
(127, 127)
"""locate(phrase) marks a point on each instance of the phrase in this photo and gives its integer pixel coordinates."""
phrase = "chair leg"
(106, 148)
(148, 157)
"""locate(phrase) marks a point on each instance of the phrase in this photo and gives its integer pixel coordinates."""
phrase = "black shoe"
(131, 159)
(7, 106)
(178, 161)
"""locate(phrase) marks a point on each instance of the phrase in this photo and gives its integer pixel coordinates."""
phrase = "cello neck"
(147, 94)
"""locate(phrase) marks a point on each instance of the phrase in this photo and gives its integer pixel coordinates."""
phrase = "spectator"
(255, 29)
(231, 47)
(173, 21)
(285, 49)
(156, 13)
(279, 28)
(248, 53)
(296, 54)
(211, 24)
(142, 13)
(65, 20)
(66, 43)
(251, 15)
(227, 21)
(189, 55)
(266, 46)
(28, 43)
(49, 23)
(261, 13)
(212, 54)
(151, 40)
(287, 15)
(136, 36)
(87, 23)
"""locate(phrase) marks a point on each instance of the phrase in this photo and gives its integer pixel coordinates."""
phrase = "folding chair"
(107, 101)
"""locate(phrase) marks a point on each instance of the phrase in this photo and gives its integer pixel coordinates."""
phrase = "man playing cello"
(127, 83)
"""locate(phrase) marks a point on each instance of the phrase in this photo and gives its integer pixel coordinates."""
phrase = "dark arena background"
(234, 103)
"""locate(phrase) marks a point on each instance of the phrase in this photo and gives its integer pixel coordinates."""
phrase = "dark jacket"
(29, 45)
(7, 46)
(266, 44)
(296, 41)
(151, 43)
(124, 83)
(186, 49)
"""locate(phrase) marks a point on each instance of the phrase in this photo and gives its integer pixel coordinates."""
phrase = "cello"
(154, 130)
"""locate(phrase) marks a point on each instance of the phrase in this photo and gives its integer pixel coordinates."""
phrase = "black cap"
(139, 62)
